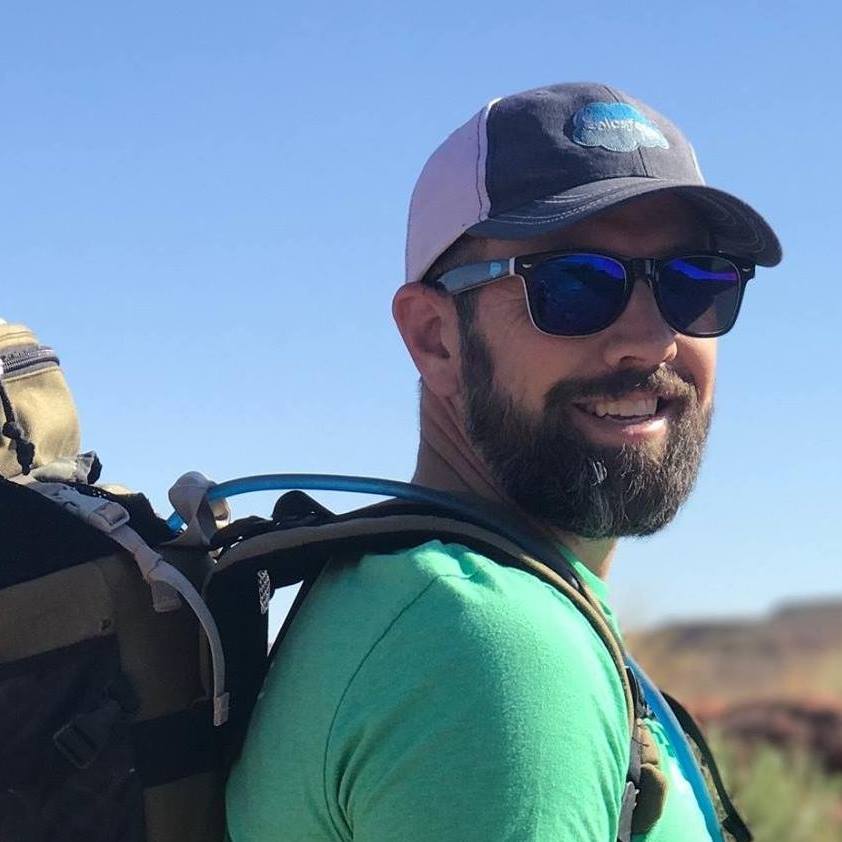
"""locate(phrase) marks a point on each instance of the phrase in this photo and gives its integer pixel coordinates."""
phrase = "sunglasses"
(580, 293)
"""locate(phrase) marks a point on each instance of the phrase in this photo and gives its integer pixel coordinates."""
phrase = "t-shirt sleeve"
(480, 715)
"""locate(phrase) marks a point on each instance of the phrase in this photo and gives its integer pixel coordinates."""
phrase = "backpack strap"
(40, 538)
(646, 783)
(303, 536)
(733, 822)
(298, 552)
(167, 584)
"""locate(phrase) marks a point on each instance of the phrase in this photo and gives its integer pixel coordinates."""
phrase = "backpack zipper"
(19, 362)
(15, 363)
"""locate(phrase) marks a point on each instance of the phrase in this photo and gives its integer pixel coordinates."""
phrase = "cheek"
(698, 358)
(529, 364)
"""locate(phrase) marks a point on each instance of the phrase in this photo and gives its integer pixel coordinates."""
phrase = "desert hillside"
(775, 681)
(795, 654)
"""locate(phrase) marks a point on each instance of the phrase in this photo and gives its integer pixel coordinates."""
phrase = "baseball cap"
(540, 160)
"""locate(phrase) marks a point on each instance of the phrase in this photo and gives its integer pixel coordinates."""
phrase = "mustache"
(664, 381)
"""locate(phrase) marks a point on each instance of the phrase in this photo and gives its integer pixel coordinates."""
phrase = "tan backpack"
(97, 688)
(36, 406)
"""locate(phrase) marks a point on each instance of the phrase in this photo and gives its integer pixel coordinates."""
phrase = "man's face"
(599, 436)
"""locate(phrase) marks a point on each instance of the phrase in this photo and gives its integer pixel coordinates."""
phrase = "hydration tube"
(420, 494)
(679, 743)
(328, 482)
(367, 485)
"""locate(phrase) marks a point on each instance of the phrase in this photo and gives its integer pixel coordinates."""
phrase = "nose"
(640, 338)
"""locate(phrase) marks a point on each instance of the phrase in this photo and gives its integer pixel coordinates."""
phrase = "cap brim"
(736, 227)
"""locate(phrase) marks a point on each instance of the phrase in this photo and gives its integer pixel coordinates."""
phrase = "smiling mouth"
(632, 409)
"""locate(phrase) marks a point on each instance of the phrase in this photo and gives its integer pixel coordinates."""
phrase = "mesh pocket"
(68, 773)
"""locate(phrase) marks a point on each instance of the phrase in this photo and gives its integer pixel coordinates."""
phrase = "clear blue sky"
(203, 209)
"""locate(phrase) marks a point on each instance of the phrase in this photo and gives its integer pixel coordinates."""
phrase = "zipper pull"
(24, 448)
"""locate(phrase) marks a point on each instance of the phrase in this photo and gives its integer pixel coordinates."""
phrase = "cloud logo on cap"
(616, 126)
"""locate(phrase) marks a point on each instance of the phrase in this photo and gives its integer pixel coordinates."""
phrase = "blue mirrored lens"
(576, 294)
(700, 294)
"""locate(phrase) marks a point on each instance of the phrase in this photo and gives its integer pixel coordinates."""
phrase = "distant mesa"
(775, 680)
(810, 725)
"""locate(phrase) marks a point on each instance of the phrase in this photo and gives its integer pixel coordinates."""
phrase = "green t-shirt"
(435, 695)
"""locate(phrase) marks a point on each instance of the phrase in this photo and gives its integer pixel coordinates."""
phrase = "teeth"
(624, 408)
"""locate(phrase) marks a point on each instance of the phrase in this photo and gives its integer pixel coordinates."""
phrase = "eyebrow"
(684, 248)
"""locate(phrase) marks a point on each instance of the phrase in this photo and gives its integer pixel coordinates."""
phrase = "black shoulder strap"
(40, 537)
(293, 554)
(152, 528)
(732, 822)
(303, 536)
(296, 553)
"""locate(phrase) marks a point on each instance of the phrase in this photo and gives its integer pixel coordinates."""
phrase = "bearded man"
(568, 273)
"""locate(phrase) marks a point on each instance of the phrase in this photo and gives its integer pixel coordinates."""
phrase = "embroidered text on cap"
(616, 126)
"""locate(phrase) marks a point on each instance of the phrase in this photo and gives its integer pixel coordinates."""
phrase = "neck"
(448, 461)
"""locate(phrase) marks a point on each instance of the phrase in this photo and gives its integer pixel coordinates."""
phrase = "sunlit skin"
(529, 363)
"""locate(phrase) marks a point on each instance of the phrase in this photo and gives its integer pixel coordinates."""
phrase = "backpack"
(131, 652)
(96, 685)
(36, 405)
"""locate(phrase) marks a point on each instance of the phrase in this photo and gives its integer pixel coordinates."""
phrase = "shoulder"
(449, 586)
(486, 674)
(441, 612)
(406, 672)
(458, 607)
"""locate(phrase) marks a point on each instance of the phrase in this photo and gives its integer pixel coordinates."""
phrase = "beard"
(555, 474)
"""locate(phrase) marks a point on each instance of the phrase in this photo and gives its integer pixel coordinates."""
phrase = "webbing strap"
(402, 530)
(369, 530)
(176, 746)
(166, 583)
(631, 791)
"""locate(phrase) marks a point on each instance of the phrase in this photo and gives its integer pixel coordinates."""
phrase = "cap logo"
(616, 126)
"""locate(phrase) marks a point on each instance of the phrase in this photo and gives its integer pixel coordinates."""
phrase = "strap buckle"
(101, 513)
(627, 805)
(82, 739)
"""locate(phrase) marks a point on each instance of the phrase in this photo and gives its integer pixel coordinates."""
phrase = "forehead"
(644, 227)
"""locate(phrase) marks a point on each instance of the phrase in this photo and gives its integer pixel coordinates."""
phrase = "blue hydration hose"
(366, 485)
(326, 482)
(420, 494)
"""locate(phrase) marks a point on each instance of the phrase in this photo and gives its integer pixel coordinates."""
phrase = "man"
(567, 276)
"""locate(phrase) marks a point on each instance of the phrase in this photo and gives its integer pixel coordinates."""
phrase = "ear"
(426, 319)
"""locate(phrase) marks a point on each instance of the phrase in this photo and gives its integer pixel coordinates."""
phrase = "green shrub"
(781, 795)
